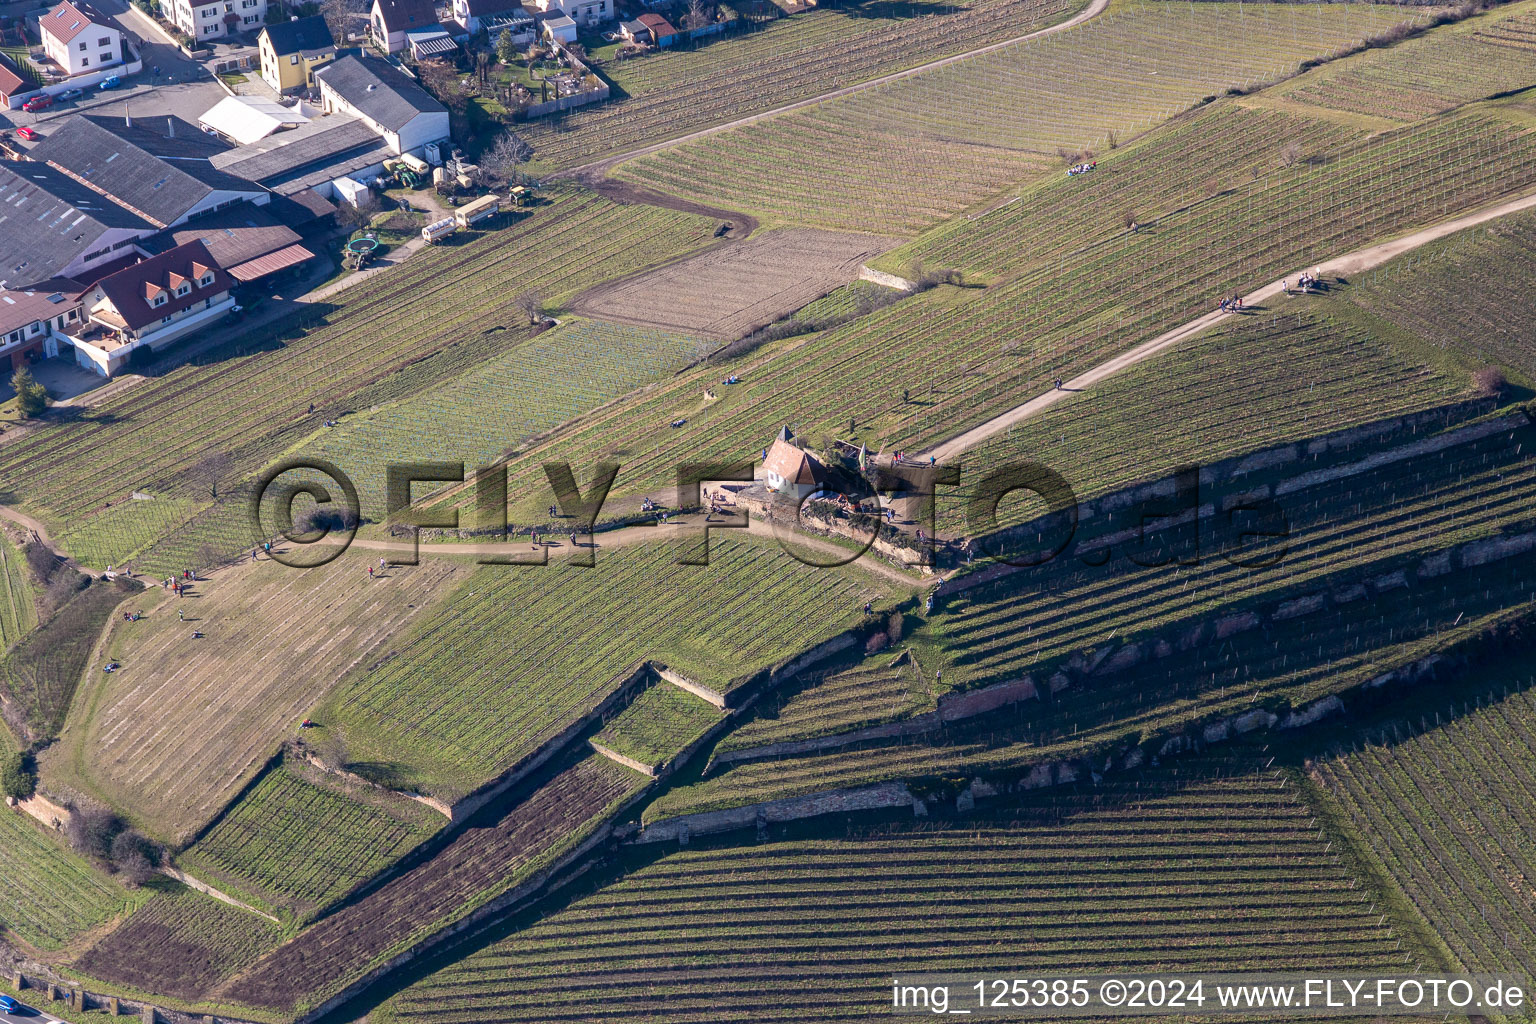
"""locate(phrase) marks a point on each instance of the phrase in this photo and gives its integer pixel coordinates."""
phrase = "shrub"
(1490, 382)
(134, 856)
(92, 831)
(894, 627)
(876, 643)
(18, 776)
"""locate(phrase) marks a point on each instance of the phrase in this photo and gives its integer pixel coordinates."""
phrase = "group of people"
(679, 422)
(1306, 282)
(1232, 305)
(1082, 168)
(180, 585)
(732, 379)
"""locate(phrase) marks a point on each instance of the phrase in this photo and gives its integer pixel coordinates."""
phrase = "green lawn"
(659, 724)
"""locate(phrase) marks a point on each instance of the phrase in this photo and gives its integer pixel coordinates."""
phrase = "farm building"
(388, 100)
(248, 241)
(163, 178)
(214, 19)
(74, 231)
(80, 39)
(310, 157)
(390, 20)
(792, 469)
(246, 119)
(151, 303)
(292, 50)
(662, 31)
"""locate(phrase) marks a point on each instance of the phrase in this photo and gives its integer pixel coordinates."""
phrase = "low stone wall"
(888, 280)
(837, 801)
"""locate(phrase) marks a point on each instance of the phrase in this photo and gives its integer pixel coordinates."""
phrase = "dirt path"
(598, 169)
(559, 543)
(1343, 266)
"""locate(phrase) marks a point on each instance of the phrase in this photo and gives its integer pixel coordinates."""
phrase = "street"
(30, 1014)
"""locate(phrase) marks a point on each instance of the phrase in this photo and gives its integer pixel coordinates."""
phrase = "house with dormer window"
(79, 38)
(151, 304)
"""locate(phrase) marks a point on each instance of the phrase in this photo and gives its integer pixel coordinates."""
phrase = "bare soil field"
(184, 723)
(727, 291)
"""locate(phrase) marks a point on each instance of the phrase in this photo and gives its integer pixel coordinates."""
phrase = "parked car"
(26, 132)
(8, 1005)
(110, 83)
(69, 94)
(36, 103)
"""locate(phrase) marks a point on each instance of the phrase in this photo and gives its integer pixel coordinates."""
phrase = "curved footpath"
(1354, 263)
(598, 169)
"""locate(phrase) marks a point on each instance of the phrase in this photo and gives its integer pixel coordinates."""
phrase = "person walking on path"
(181, 615)
(370, 572)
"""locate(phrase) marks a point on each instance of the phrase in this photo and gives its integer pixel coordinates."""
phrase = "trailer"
(416, 163)
(473, 213)
(439, 229)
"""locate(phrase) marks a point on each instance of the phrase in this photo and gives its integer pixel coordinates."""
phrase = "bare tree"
(698, 14)
(532, 303)
(1290, 153)
(209, 470)
(505, 154)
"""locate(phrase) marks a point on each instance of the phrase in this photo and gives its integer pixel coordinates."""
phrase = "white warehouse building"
(386, 99)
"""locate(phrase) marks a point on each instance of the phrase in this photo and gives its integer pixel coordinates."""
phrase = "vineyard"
(833, 702)
(1469, 295)
(680, 90)
(1447, 809)
(920, 150)
(18, 612)
(162, 439)
(1491, 54)
(1217, 873)
(1072, 287)
(1340, 369)
(180, 943)
(298, 844)
(47, 894)
(170, 738)
(499, 849)
(1357, 540)
(726, 292)
(510, 660)
(658, 725)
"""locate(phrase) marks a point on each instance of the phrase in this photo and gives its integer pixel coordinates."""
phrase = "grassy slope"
(659, 724)
(512, 658)
(18, 608)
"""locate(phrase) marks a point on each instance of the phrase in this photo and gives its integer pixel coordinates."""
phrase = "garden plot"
(185, 722)
(727, 291)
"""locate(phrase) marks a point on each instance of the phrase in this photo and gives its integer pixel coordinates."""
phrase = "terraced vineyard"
(1185, 407)
(181, 943)
(1447, 810)
(875, 691)
(1358, 540)
(163, 437)
(299, 845)
(681, 90)
(498, 850)
(659, 724)
(1021, 104)
(509, 662)
(1494, 53)
(48, 895)
(1072, 288)
(1467, 295)
(168, 737)
(1226, 874)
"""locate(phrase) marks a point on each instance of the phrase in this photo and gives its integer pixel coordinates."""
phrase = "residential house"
(292, 50)
(150, 304)
(215, 19)
(34, 321)
(16, 85)
(69, 230)
(791, 469)
(560, 29)
(386, 99)
(163, 179)
(491, 16)
(582, 12)
(79, 38)
(662, 31)
(390, 20)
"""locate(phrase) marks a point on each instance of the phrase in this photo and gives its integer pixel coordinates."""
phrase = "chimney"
(170, 127)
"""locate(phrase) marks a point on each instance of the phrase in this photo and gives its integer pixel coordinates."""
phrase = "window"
(82, 47)
(183, 288)
(13, 337)
(104, 41)
(209, 12)
(205, 281)
(159, 300)
(85, 62)
(294, 59)
(251, 19)
(165, 320)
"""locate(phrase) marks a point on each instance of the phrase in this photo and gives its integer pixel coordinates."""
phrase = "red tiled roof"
(793, 464)
(71, 18)
(271, 263)
(129, 290)
(11, 80)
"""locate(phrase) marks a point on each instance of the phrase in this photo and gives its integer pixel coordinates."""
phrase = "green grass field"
(921, 150)
(1214, 873)
(180, 943)
(511, 659)
(18, 608)
(659, 724)
(298, 845)
(48, 896)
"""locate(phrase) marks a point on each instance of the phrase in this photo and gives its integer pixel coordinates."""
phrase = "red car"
(37, 103)
(26, 132)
